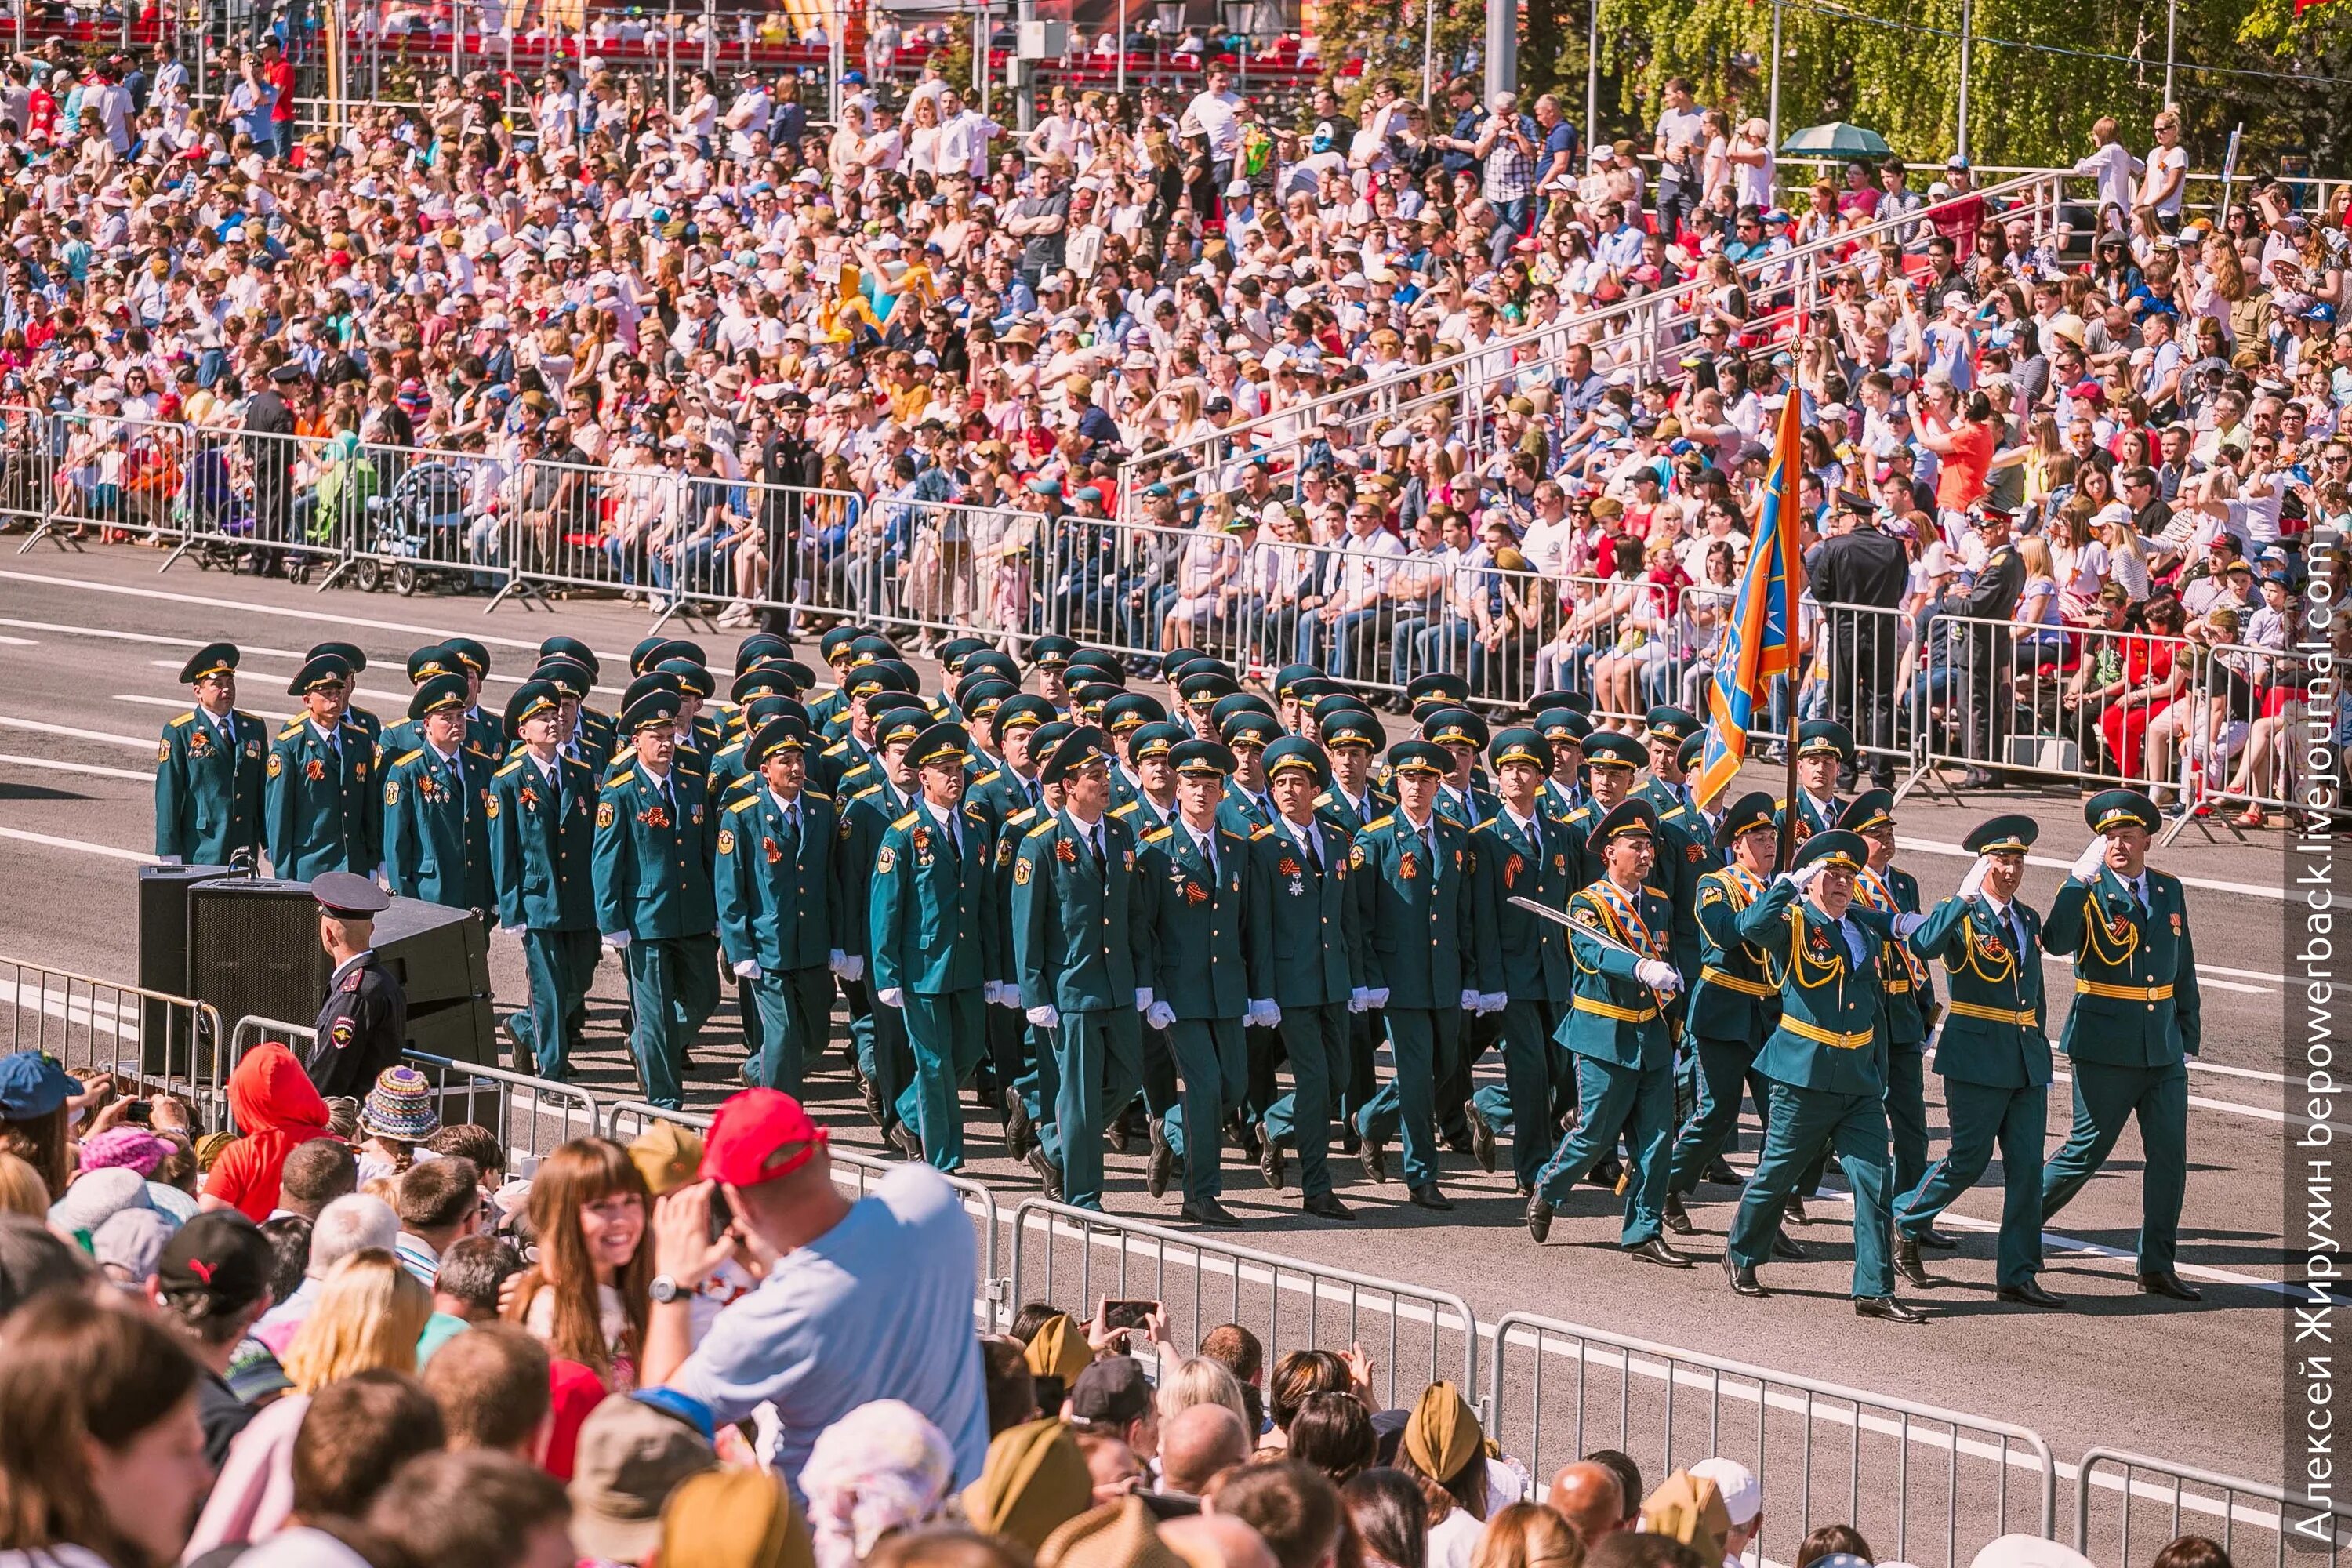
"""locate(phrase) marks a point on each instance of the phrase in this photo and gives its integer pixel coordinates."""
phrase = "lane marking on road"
(1939, 847)
(290, 655)
(20, 642)
(53, 842)
(50, 764)
(41, 727)
(181, 704)
(154, 639)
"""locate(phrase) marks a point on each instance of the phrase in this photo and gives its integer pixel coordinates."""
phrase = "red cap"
(758, 1136)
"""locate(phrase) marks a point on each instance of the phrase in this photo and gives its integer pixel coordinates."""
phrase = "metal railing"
(161, 1043)
(2114, 1489)
(1925, 1485)
(1291, 1304)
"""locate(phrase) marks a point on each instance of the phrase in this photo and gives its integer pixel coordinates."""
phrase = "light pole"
(1967, 40)
(1772, 136)
(1429, 57)
(1591, 74)
(1241, 24)
(2171, 22)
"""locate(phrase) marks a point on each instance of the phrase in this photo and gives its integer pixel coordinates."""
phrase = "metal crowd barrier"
(158, 1042)
(2255, 1522)
(1289, 1304)
(1925, 1485)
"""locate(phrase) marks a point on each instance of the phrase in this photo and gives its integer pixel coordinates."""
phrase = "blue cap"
(32, 1085)
(684, 1407)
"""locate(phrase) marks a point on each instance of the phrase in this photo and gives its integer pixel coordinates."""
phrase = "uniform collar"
(356, 961)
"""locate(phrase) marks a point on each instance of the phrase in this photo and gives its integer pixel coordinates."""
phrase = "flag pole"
(1792, 578)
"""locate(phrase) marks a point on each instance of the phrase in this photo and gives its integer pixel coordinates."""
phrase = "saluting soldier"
(321, 800)
(1616, 1028)
(542, 836)
(1994, 1058)
(363, 1024)
(1823, 1063)
(1909, 994)
(1824, 748)
(2133, 1022)
(210, 769)
(654, 842)
(934, 948)
(436, 829)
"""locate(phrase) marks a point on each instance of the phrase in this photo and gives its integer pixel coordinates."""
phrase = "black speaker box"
(163, 1046)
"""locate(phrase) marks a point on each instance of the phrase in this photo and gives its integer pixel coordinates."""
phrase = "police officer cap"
(1871, 808)
(213, 659)
(654, 706)
(953, 651)
(1751, 811)
(1521, 744)
(1092, 696)
(1206, 685)
(650, 651)
(994, 661)
(906, 724)
(1559, 725)
(2011, 835)
(760, 646)
(1609, 747)
(1156, 741)
(347, 895)
(469, 653)
(1667, 723)
(427, 662)
(1438, 683)
(2114, 808)
(947, 743)
(1075, 750)
(435, 692)
(982, 698)
(782, 734)
(1026, 711)
(834, 646)
(1693, 748)
(1419, 757)
(692, 677)
(569, 674)
(1287, 679)
(1351, 727)
(1627, 819)
(571, 649)
(1052, 652)
(650, 681)
(1574, 701)
(1224, 707)
(1129, 711)
(1452, 726)
(350, 653)
(1817, 736)
(532, 698)
(1201, 759)
(320, 669)
(1249, 727)
(1296, 751)
(1837, 849)
(871, 646)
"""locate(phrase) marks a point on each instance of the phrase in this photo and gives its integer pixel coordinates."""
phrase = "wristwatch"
(664, 1290)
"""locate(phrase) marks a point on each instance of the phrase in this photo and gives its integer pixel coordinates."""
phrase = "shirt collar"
(344, 968)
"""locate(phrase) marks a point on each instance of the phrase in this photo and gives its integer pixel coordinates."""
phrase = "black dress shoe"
(1482, 1143)
(1323, 1205)
(1269, 1158)
(1719, 1172)
(1793, 1211)
(2031, 1294)
(1376, 1160)
(2165, 1283)
(1660, 1251)
(1670, 1215)
(1211, 1213)
(1886, 1310)
(1429, 1197)
(1787, 1251)
(1539, 1216)
(1742, 1276)
(1349, 1140)
(871, 1092)
(1247, 1138)
(1018, 1129)
(1119, 1136)
(1162, 1163)
(910, 1143)
(1907, 1264)
(1934, 1240)
(1049, 1176)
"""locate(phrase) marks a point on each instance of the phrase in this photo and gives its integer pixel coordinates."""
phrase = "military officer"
(934, 949)
(2133, 1024)
(1993, 1055)
(362, 1025)
(1910, 997)
(1616, 1029)
(425, 663)
(732, 772)
(1461, 798)
(1567, 729)
(852, 755)
(210, 768)
(1203, 686)
(1151, 752)
(1081, 962)
(1350, 737)
(484, 731)
(1823, 1063)
(356, 659)
(1664, 731)
(542, 839)
(1246, 732)
(877, 1035)
(321, 802)
(826, 703)
(583, 734)
(436, 832)
(1824, 748)
(1123, 717)
(1012, 786)
(697, 731)
(1413, 876)
(654, 842)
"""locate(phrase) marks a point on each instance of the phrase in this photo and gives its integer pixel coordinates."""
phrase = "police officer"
(1823, 1060)
(777, 885)
(320, 798)
(1859, 575)
(1993, 1055)
(654, 842)
(1983, 645)
(542, 839)
(1621, 934)
(436, 832)
(1909, 994)
(1080, 955)
(2133, 1022)
(364, 1023)
(210, 768)
(934, 950)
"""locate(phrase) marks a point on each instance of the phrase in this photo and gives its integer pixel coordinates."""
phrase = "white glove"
(1806, 877)
(1008, 995)
(1143, 998)
(836, 961)
(748, 970)
(1265, 1014)
(852, 967)
(1376, 998)
(616, 939)
(1359, 1000)
(891, 997)
(989, 991)
(1472, 1002)
(1905, 923)
(1973, 883)
(1045, 1017)
(1658, 976)
(2094, 855)
(515, 931)
(1494, 1001)
(1158, 1015)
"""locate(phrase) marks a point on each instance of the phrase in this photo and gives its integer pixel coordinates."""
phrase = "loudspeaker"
(163, 1049)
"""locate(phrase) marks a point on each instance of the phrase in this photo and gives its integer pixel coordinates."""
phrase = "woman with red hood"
(275, 1110)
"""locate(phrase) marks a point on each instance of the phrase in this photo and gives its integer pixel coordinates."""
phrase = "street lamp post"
(2171, 24)
(1241, 24)
(1772, 136)
(1967, 40)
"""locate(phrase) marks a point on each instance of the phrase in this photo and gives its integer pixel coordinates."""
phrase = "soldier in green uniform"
(436, 826)
(697, 731)
(484, 731)
(542, 835)
(586, 735)
(732, 774)
(426, 663)
(877, 1035)
(1414, 877)
(1204, 684)
(1824, 749)
(1616, 1029)
(1909, 994)
(1567, 729)
(210, 768)
(1151, 750)
(1462, 798)
(1151, 753)
(852, 756)
(1665, 729)
(1611, 762)
(655, 841)
(826, 703)
(1248, 731)
(355, 660)
(2133, 1022)
(934, 948)
(1351, 736)
(1822, 1059)
(1123, 717)
(1081, 958)
(1994, 1057)
(1012, 786)
(320, 800)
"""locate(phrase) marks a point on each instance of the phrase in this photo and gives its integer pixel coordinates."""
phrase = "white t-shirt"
(2115, 166)
(2166, 163)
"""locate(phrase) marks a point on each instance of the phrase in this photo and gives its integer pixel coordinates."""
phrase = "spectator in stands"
(349, 1225)
(438, 1202)
(734, 1519)
(491, 1383)
(1035, 1480)
(315, 1174)
(1111, 1399)
(1391, 1517)
(1012, 1386)
(34, 1096)
(1243, 1355)
(1299, 1376)
(588, 1295)
(369, 1314)
(1333, 1433)
(1743, 1501)
(879, 1469)
(1200, 1443)
(22, 1191)
(277, 1111)
(1293, 1507)
(1587, 1495)
(465, 1509)
(212, 1281)
(631, 1457)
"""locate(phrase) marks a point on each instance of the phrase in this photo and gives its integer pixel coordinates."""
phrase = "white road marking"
(92, 769)
(153, 638)
(180, 704)
(109, 737)
(54, 842)
(1939, 847)
(20, 642)
(287, 654)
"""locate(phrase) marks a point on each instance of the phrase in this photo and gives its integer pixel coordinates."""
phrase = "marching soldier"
(398, 740)
(1665, 731)
(830, 702)
(1910, 997)
(582, 734)
(877, 1035)
(1079, 951)
(1050, 656)
(732, 775)
(934, 949)
(1567, 729)
(1247, 733)
(362, 1025)
(1823, 749)
(210, 768)
(1151, 749)
(323, 809)
(1123, 718)
(1151, 752)
(1461, 799)
(485, 732)
(2133, 1022)
(355, 658)
(1351, 736)
(1620, 933)
(542, 839)
(654, 900)
(1824, 1064)
(1012, 786)
(436, 830)
(1994, 1057)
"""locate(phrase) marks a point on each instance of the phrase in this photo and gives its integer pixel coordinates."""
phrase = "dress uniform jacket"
(1080, 943)
(653, 856)
(324, 810)
(1910, 991)
(1734, 997)
(999, 791)
(362, 1028)
(1334, 807)
(208, 788)
(1195, 912)
(2136, 1000)
(598, 737)
(1613, 1018)
(928, 914)
(1244, 812)
(1827, 1036)
(865, 822)
(1144, 818)
(1523, 954)
(436, 829)
(1813, 817)
(728, 772)
(778, 894)
(1993, 1027)
(1291, 895)
(1417, 910)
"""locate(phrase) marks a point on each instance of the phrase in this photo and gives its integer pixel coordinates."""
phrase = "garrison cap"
(347, 895)
(1630, 818)
(437, 691)
(427, 662)
(213, 659)
(948, 744)
(1521, 744)
(1817, 736)
(1078, 749)
(1296, 751)
(2011, 835)
(320, 669)
(1871, 808)
(1156, 739)
(1419, 757)
(1611, 749)
(1669, 723)
(783, 734)
(1749, 812)
(571, 649)
(2113, 809)
(350, 653)
(1201, 758)
(1026, 709)
(1838, 849)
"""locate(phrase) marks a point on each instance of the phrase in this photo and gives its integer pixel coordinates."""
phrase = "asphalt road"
(90, 644)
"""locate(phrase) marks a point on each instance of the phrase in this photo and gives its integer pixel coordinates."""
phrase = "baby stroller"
(420, 526)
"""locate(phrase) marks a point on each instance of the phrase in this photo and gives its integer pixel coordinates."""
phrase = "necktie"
(1102, 851)
(2139, 896)
(1429, 834)
(955, 839)
(792, 828)
(1305, 837)
(2017, 933)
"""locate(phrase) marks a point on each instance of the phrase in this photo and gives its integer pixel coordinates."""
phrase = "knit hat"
(1033, 1481)
(133, 1148)
(400, 1107)
(96, 1198)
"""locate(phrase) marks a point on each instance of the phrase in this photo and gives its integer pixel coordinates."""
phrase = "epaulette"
(1040, 831)
(1323, 799)
(1260, 833)
(1123, 810)
(407, 757)
(507, 769)
(731, 746)
(1780, 805)
(835, 749)
(1379, 822)
(807, 794)
(1485, 824)
(290, 731)
(905, 820)
(1158, 833)
(1023, 815)
(746, 803)
(1670, 815)
(187, 718)
(1649, 887)
(988, 775)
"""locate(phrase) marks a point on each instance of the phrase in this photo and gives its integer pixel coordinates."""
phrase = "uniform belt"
(1610, 1010)
(1820, 1036)
(2022, 1017)
(1730, 982)
(2123, 993)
